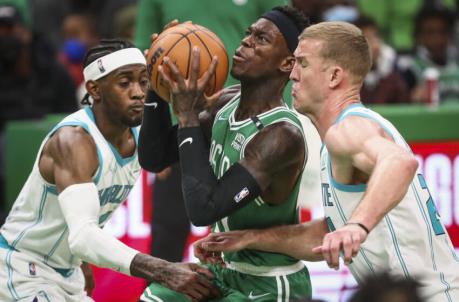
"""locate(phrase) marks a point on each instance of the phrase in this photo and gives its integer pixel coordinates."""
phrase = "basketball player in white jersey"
(84, 170)
(379, 212)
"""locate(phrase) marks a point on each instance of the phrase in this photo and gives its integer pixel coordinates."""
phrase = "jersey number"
(433, 213)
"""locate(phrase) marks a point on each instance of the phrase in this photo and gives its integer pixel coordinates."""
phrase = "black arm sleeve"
(208, 199)
(157, 137)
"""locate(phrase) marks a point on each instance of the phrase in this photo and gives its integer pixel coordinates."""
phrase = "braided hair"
(105, 47)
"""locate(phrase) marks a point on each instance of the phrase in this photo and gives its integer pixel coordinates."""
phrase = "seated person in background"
(434, 49)
(386, 288)
(384, 83)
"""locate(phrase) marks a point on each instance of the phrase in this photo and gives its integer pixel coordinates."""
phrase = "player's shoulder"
(69, 140)
(350, 133)
(280, 136)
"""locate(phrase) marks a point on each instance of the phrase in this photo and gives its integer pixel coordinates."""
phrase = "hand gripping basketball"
(177, 43)
(188, 95)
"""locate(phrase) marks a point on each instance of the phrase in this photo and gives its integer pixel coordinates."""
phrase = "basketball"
(177, 43)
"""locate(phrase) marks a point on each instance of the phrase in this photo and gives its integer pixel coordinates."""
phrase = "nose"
(138, 92)
(247, 41)
(294, 74)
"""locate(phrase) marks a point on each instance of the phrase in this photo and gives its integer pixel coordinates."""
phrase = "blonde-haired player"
(379, 212)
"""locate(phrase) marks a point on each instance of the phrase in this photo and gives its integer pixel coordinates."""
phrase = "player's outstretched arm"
(296, 241)
(70, 160)
(367, 148)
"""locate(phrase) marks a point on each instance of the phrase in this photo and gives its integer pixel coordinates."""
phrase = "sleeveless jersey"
(229, 140)
(36, 225)
(409, 241)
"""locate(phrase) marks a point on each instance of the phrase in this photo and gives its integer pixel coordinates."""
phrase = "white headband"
(106, 64)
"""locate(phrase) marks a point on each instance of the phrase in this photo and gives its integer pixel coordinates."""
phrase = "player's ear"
(287, 64)
(92, 87)
(335, 76)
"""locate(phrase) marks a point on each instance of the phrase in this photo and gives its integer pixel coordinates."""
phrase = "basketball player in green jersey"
(250, 177)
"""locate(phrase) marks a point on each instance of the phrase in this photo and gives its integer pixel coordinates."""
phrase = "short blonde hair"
(343, 44)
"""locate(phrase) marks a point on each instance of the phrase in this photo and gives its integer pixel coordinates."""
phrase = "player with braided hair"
(85, 168)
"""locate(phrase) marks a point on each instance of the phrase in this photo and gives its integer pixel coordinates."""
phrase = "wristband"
(360, 225)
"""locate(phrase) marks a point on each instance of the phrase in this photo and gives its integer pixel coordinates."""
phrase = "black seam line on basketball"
(217, 41)
(210, 55)
(170, 49)
(209, 35)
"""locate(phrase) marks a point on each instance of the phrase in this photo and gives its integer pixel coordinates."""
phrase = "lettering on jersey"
(219, 162)
(326, 195)
(238, 141)
(114, 194)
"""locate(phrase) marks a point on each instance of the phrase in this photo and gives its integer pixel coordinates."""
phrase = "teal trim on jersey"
(86, 128)
(397, 248)
(343, 187)
(135, 132)
(448, 287)
(361, 114)
(432, 253)
(52, 189)
(64, 272)
(331, 226)
(9, 282)
(43, 293)
(101, 164)
(39, 218)
(72, 124)
(344, 219)
(104, 217)
(53, 249)
(341, 115)
(119, 159)
(4, 244)
(428, 225)
(432, 209)
(122, 161)
(451, 248)
(89, 112)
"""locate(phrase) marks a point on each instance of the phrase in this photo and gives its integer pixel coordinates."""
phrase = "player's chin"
(134, 121)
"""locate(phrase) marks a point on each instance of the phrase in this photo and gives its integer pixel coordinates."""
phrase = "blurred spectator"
(49, 25)
(78, 35)
(124, 24)
(386, 288)
(395, 19)
(339, 10)
(311, 8)
(328, 10)
(384, 84)
(32, 82)
(434, 28)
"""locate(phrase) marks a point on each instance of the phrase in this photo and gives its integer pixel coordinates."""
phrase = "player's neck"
(113, 131)
(332, 107)
(257, 98)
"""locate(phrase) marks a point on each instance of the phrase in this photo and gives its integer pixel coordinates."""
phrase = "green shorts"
(243, 282)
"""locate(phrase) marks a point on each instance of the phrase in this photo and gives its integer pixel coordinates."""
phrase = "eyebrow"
(125, 72)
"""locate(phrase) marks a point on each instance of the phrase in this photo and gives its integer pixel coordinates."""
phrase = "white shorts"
(23, 278)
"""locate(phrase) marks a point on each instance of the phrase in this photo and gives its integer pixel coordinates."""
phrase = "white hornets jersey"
(410, 241)
(36, 225)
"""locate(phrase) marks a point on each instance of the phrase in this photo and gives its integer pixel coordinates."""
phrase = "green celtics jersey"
(229, 140)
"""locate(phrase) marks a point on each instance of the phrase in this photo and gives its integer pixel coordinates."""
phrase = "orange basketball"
(177, 43)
